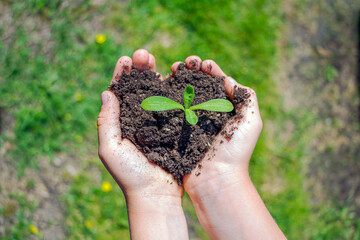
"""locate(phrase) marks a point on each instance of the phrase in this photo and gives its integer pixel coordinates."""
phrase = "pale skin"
(226, 202)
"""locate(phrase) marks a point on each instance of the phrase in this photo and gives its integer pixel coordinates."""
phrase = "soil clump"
(165, 137)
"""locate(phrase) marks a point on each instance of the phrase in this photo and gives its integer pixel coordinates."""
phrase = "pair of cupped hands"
(141, 180)
(132, 170)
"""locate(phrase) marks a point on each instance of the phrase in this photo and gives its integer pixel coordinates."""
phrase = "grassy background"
(54, 99)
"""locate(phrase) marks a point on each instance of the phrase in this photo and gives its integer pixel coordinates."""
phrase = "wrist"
(156, 209)
(156, 217)
(150, 202)
(163, 193)
(218, 184)
(231, 207)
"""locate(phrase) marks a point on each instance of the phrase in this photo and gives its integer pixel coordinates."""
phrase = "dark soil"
(165, 137)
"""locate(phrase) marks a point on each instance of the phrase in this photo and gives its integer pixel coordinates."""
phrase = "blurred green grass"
(54, 99)
(21, 208)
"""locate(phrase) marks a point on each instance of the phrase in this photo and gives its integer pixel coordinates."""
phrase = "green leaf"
(157, 103)
(191, 116)
(188, 96)
(216, 105)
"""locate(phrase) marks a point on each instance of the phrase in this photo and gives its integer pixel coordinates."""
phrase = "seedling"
(158, 103)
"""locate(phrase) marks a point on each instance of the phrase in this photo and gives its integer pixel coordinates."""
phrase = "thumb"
(109, 132)
(230, 85)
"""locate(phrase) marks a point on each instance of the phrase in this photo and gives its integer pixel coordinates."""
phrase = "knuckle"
(101, 120)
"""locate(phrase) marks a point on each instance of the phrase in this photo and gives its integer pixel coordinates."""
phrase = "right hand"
(226, 161)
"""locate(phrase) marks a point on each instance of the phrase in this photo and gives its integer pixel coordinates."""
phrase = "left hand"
(136, 176)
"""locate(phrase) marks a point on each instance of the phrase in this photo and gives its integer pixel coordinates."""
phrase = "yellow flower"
(96, 124)
(79, 138)
(79, 97)
(68, 116)
(33, 229)
(88, 224)
(106, 186)
(100, 38)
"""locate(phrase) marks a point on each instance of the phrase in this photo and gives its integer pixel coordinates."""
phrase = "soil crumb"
(165, 137)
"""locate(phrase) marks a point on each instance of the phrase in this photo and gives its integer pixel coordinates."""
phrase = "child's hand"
(226, 160)
(129, 167)
(151, 200)
(226, 202)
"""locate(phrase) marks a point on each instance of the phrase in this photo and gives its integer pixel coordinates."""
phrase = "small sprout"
(157, 103)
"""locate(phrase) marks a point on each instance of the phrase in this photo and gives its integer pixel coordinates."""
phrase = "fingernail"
(104, 98)
(232, 80)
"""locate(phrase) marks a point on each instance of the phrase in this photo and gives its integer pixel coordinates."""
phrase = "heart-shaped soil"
(165, 137)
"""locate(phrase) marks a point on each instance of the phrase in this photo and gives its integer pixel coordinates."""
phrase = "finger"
(210, 67)
(152, 63)
(230, 85)
(241, 95)
(175, 67)
(109, 132)
(152, 66)
(167, 76)
(193, 63)
(158, 75)
(123, 64)
(141, 59)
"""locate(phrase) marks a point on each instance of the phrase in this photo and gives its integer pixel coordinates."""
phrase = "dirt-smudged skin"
(165, 137)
